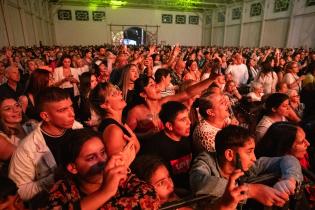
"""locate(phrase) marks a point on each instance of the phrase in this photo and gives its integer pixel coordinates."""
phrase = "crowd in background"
(136, 127)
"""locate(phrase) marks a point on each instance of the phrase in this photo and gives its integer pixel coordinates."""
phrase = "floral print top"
(133, 194)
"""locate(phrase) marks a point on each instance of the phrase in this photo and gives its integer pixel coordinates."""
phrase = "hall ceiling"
(180, 5)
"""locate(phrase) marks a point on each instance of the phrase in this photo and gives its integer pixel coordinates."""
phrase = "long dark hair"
(278, 140)
(72, 147)
(85, 84)
(140, 84)
(38, 81)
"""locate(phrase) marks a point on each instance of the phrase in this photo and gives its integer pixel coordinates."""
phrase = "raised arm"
(189, 92)
(288, 166)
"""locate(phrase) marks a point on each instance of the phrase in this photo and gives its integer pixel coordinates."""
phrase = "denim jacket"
(205, 176)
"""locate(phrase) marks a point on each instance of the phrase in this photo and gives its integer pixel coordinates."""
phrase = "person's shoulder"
(206, 157)
(137, 110)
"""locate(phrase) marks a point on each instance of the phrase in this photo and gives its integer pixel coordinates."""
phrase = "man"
(210, 171)
(238, 70)
(101, 54)
(120, 61)
(12, 88)
(177, 73)
(35, 160)
(172, 144)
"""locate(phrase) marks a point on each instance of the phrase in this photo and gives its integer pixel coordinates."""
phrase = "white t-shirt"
(290, 78)
(239, 73)
(269, 82)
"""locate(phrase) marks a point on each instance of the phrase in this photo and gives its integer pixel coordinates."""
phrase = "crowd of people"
(126, 127)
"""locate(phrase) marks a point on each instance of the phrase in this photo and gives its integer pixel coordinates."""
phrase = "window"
(167, 18)
(64, 15)
(255, 9)
(180, 19)
(236, 13)
(281, 5)
(98, 15)
(221, 17)
(81, 15)
(193, 20)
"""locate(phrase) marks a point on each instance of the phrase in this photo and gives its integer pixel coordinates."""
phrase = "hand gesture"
(152, 49)
(114, 172)
(268, 196)
(73, 80)
(286, 186)
(234, 194)
(133, 138)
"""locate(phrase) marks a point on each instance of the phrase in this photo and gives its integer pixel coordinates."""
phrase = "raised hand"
(115, 171)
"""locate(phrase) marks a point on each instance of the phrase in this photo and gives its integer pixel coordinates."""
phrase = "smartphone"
(238, 165)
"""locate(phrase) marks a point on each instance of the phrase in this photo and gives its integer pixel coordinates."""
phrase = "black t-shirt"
(177, 155)
(109, 121)
(55, 144)
(7, 92)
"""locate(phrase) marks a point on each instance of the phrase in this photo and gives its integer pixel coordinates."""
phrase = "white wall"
(90, 32)
(25, 23)
(35, 21)
(292, 28)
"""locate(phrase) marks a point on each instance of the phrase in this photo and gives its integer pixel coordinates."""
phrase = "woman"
(284, 138)
(267, 77)
(276, 109)
(11, 130)
(108, 103)
(287, 138)
(88, 82)
(192, 71)
(252, 70)
(295, 103)
(256, 92)
(143, 117)
(163, 82)
(293, 81)
(153, 170)
(39, 80)
(67, 78)
(282, 87)
(102, 72)
(93, 181)
(214, 110)
(127, 81)
(279, 69)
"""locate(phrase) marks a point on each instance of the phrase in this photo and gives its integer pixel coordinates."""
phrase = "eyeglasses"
(163, 182)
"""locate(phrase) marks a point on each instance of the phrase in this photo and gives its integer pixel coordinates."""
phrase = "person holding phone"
(210, 171)
(94, 181)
